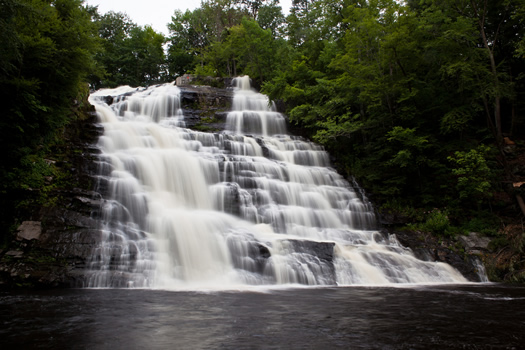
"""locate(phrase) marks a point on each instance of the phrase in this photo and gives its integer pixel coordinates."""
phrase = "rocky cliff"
(54, 239)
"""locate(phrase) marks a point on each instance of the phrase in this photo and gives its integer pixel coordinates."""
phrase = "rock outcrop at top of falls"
(56, 243)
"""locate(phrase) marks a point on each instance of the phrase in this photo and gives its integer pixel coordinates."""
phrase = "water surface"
(422, 317)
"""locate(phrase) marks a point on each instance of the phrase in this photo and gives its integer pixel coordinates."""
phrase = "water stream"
(248, 206)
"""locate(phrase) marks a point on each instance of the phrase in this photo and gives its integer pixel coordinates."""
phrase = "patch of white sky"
(156, 13)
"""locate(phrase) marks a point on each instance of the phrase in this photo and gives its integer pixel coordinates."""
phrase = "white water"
(249, 206)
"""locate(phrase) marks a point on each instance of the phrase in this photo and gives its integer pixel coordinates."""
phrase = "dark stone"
(108, 100)
(205, 107)
(68, 228)
(260, 254)
(474, 243)
(323, 251)
(264, 252)
(266, 151)
(232, 199)
(429, 248)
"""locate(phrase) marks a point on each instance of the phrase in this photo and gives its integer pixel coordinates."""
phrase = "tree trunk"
(493, 68)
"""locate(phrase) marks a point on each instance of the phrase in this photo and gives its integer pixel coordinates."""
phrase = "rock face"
(29, 230)
(430, 248)
(53, 245)
(205, 108)
(474, 243)
(324, 251)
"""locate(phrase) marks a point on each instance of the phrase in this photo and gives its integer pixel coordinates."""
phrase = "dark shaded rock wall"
(431, 248)
(205, 108)
(54, 240)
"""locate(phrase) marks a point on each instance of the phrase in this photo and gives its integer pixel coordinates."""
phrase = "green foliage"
(271, 17)
(47, 55)
(132, 55)
(398, 208)
(412, 146)
(473, 174)
(245, 49)
(487, 224)
(333, 128)
(53, 56)
(456, 120)
(144, 59)
(113, 29)
(395, 90)
(498, 243)
(438, 223)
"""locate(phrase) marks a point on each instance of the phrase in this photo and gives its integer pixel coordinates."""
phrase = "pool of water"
(487, 316)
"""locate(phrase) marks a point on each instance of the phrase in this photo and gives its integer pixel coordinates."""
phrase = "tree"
(271, 17)
(50, 55)
(192, 32)
(246, 50)
(143, 63)
(47, 54)
(113, 28)
(392, 91)
(132, 55)
(497, 23)
(473, 174)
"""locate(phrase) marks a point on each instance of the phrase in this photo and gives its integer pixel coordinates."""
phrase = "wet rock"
(266, 151)
(205, 107)
(260, 254)
(108, 100)
(430, 248)
(322, 250)
(320, 254)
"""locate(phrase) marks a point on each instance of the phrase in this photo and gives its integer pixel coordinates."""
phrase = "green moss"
(206, 128)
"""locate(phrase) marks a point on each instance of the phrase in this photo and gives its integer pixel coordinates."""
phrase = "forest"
(421, 101)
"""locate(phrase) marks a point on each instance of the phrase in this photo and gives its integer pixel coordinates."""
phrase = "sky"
(156, 13)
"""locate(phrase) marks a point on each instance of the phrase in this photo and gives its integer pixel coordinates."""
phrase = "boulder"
(318, 253)
(29, 230)
(474, 243)
(430, 248)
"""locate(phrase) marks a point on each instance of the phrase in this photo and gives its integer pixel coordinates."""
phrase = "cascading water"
(248, 206)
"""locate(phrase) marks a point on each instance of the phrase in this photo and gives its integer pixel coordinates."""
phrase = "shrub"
(438, 222)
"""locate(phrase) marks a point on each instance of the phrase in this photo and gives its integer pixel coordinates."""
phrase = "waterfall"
(251, 205)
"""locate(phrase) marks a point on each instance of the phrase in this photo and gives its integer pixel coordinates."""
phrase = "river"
(475, 316)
